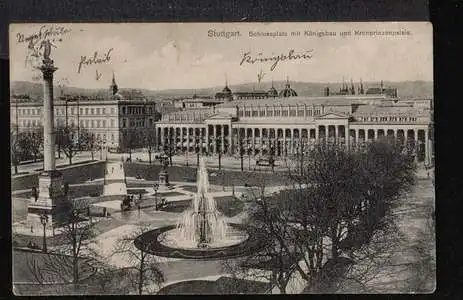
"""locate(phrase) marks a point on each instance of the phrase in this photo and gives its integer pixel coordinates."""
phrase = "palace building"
(283, 123)
(115, 121)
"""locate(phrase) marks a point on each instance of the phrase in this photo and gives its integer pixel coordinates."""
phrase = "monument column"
(50, 180)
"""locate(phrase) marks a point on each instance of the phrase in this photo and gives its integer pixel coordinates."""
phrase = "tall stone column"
(284, 143)
(50, 192)
(347, 137)
(316, 134)
(253, 141)
(207, 138)
(181, 138)
(222, 138)
(214, 150)
(188, 139)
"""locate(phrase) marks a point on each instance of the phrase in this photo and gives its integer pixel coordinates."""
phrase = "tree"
(338, 204)
(74, 260)
(14, 149)
(131, 141)
(146, 267)
(68, 141)
(150, 142)
(88, 141)
(34, 141)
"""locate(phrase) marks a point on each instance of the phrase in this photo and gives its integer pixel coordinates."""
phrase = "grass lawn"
(169, 194)
(229, 206)
(190, 188)
(176, 206)
(224, 177)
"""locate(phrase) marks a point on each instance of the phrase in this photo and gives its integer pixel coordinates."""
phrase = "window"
(112, 122)
(113, 110)
(93, 123)
(309, 112)
(123, 110)
(92, 111)
(247, 113)
(124, 122)
(277, 113)
(240, 112)
(300, 112)
(292, 113)
(103, 111)
(104, 123)
(270, 113)
(98, 123)
(81, 111)
(86, 111)
(262, 113)
(254, 113)
(284, 113)
(98, 111)
(81, 123)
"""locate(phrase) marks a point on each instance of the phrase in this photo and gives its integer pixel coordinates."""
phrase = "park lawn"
(224, 177)
(229, 205)
(189, 188)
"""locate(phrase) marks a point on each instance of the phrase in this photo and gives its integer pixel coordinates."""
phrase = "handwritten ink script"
(249, 58)
(45, 32)
(96, 59)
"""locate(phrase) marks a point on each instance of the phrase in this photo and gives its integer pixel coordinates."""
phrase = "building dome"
(117, 96)
(287, 91)
(226, 90)
(272, 92)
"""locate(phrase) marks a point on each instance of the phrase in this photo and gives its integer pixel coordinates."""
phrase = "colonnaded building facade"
(283, 123)
(115, 121)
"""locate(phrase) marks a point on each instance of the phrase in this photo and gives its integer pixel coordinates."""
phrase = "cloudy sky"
(182, 55)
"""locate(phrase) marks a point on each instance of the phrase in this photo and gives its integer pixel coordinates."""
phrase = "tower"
(113, 87)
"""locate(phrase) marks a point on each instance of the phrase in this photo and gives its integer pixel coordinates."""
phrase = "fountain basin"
(155, 242)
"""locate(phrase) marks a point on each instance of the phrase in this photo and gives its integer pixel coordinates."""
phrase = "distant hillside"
(407, 89)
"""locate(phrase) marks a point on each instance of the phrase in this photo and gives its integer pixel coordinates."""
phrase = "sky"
(160, 56)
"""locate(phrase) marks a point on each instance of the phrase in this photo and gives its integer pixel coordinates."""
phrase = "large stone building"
(116, 121)
(287, 124)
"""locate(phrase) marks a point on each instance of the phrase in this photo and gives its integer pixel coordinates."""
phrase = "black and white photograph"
(222, 158)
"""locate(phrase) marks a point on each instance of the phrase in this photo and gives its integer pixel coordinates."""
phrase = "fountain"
(201, 231)
(202, 225)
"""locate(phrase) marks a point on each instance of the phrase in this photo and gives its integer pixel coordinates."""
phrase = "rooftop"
(301, 100)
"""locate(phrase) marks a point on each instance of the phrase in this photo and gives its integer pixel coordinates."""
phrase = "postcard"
(222, 158)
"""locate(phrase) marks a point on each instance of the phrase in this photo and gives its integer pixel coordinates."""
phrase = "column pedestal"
(51, 196)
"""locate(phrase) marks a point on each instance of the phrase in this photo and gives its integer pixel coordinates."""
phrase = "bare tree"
(150, 142)
(14, 149)
(145, 265)
(33, 140)
(68, 141)
(88, 141)
(341, 195)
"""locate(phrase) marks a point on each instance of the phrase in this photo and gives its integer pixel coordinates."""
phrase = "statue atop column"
(46, 46)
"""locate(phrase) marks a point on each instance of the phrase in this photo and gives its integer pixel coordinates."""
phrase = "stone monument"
(50, 192)
(164, 176)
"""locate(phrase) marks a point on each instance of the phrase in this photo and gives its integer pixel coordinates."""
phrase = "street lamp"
(156, 187)
(197, 151)
(44, 220)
